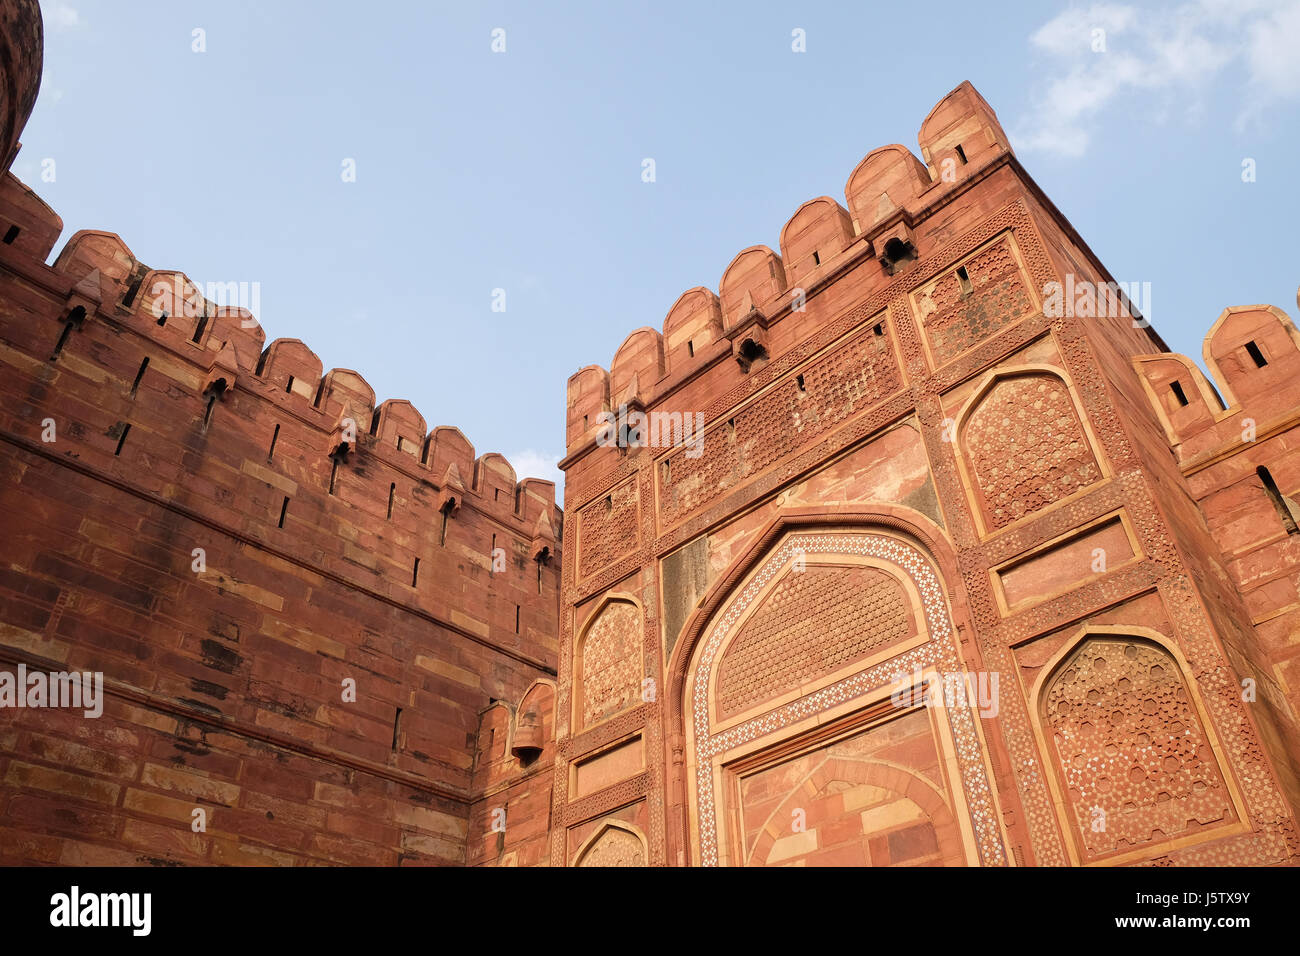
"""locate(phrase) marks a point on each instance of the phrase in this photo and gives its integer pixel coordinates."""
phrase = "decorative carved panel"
(1132, 756)
(607, 528)
(834, 387)
(814, 622)
(965, 306)
(614, 847)
(609, 671)
(1026, 447)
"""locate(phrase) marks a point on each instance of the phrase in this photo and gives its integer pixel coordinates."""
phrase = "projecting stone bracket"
(84, 299)
(749, 336)
(222, 373)
(342, 440)
(452, 493)
(895, 247)
(544, 544)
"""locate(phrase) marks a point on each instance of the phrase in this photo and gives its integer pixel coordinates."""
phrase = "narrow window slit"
(288, 386)
(961, 154)
(138, 376)
(516, 618)
(198, 330)
(415, 573)
(1177, 389)
(964, 278)
(1280, 504)
(207, 412)
(397, 727)
(817, 259)
(275, 436)
(690, 349)
(1256, 354)
(334, 471)
(392, 490)
(284, 508)
(121, 439)
(11, 235)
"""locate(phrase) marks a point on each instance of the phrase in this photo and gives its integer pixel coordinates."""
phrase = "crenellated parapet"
(884, 198)
(226, 342)
(173, 390)
(1252, 353)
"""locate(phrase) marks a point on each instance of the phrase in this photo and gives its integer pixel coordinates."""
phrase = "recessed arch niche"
(763, 691)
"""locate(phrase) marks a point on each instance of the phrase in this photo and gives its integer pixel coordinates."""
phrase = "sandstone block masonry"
(302, 602)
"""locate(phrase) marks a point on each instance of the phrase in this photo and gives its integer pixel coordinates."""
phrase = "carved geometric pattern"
(1027, 447)
(1131, 751)
(793, 413)
(940, 651)
(956, 320)
(607, 528)
(614, 847)
(815, 621)
(611, 662)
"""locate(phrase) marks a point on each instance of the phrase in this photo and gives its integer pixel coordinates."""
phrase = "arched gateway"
(810, 738)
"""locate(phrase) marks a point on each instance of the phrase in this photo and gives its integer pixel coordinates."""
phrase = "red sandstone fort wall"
(906, 461)
(226, 685)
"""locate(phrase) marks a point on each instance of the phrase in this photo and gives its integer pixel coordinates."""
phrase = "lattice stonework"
(815, 621)
(1027, 447)
(609, 673)
(840, 384)
(958, 316)
(939, 652)
(614, 847)
(607, 529)
(1132, 755)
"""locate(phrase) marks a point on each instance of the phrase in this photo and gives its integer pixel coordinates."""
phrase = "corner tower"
(920, 470)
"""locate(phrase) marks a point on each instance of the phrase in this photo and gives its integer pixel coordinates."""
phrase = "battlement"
(1252, 353)
(165, 308)
(884, 196)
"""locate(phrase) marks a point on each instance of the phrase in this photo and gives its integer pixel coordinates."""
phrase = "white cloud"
(1273, 53)
(537, 464)
(60, 16)
(1152, 55)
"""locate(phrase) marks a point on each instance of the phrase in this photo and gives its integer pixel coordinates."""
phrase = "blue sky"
(521, 170)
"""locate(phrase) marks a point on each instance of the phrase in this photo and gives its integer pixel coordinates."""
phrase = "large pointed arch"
(884, 535)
